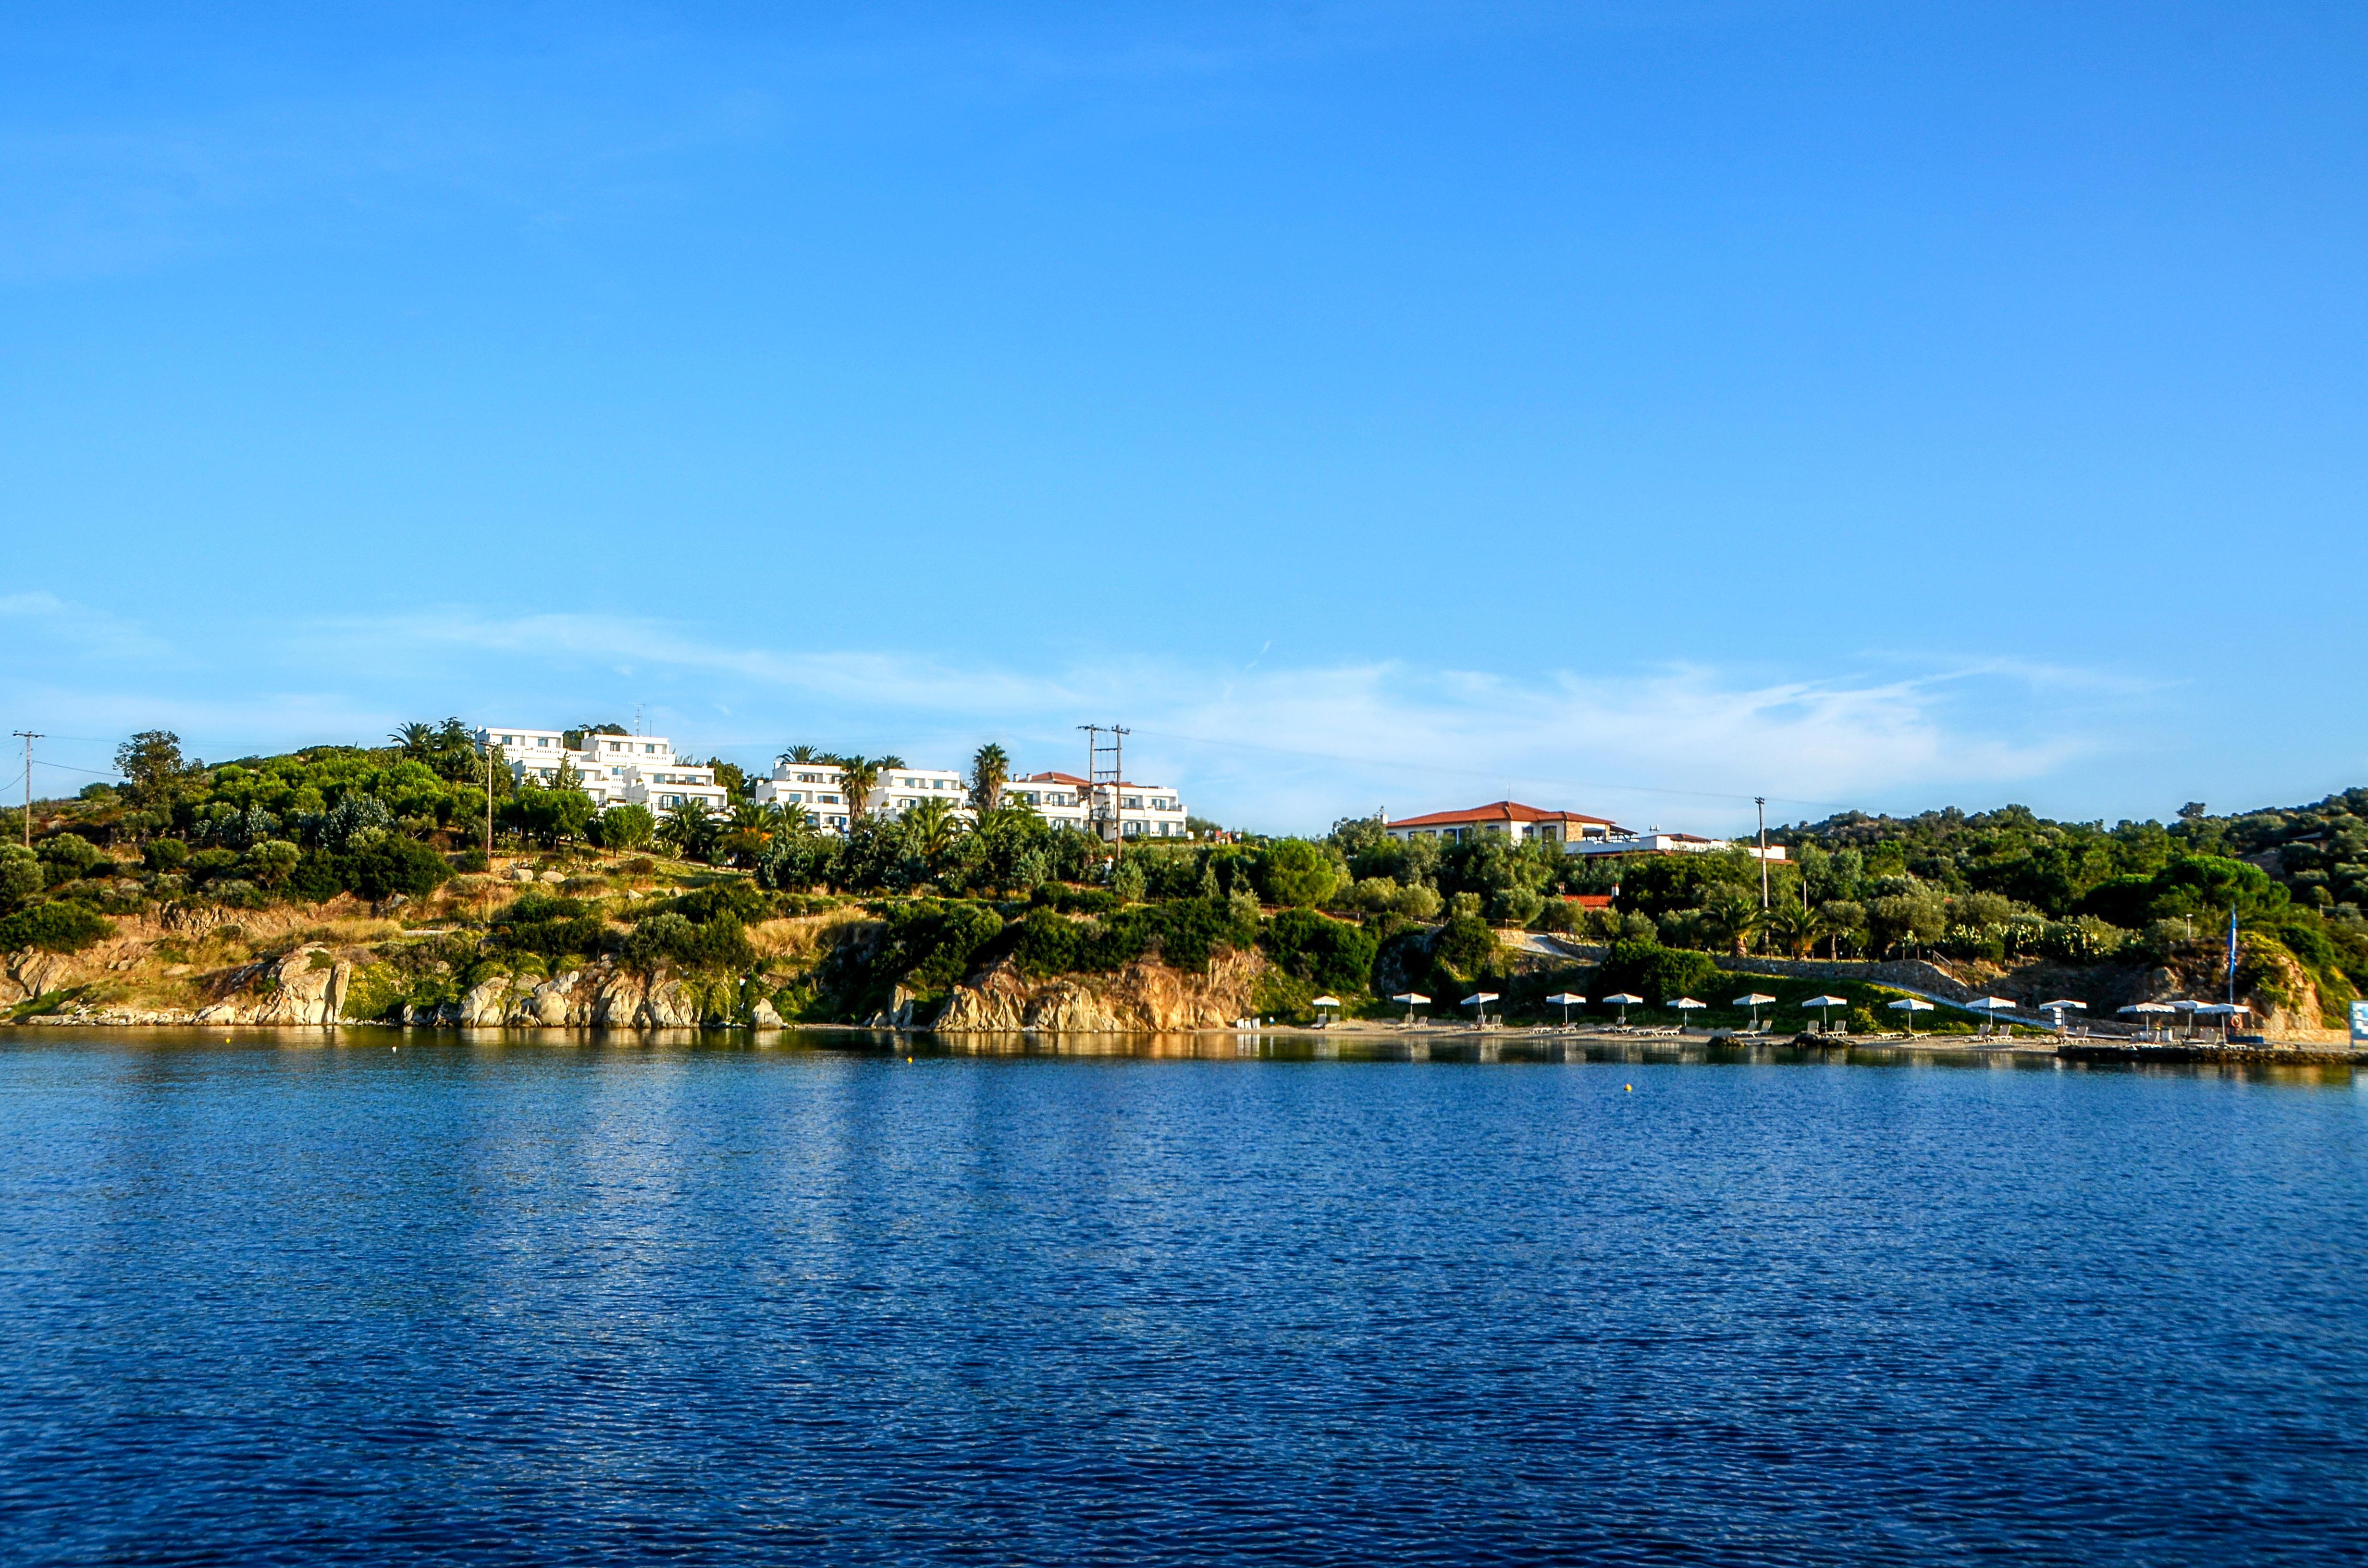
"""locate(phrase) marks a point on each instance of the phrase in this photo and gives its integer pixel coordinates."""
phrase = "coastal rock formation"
(32, 971)
(1141, 997)
(600, 998)
(307, 985)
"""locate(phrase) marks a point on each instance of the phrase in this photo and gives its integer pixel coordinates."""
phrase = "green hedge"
(62, 928)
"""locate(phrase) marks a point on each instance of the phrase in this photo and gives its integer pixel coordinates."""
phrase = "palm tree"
(804, 754)
(891, 760)
(858, 777)
(1796, 928)
(790, 821)
(415, 739)
(935, 828)
(1731, 914)
(990, 769)
(689, 830)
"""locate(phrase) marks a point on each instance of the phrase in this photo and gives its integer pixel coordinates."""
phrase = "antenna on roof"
(1098, 777)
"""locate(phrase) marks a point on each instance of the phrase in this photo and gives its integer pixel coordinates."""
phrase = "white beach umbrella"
(2225, 1012)
(1993, 1005)
(1685, 1005)
(1323, 1002)
(1911, 1006)
(1412, 999)
(1821, 1003)
(2147, 1012)
(1565, 1000)
(1622, 1000)
(2060, 1007)
(1480, 999)
(1755, 1001)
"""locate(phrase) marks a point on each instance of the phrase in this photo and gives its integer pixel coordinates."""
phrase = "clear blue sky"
(1624, 407)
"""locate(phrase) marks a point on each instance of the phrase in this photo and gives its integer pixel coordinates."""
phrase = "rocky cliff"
(1142, 997)
(602, 996)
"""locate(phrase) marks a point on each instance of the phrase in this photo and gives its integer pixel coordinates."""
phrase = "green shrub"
(1079, 901)
(549, 928)
(165, 854)
(1184, 934)
(744, 902)
(1658, 974)
(1297, 874)
(1466, 949)
(721, 944)
(395, 865)
(1048, 944)
(1518, 907)
(65, 857)
(62, 928)
(1332, 954)
(20, 874)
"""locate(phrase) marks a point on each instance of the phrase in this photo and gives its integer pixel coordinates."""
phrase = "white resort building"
(643, 769)
(614, 770)
(1144, 811)
(1578, 834)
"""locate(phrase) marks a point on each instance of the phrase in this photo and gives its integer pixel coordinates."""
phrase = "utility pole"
(1762, 801)
(28, 737)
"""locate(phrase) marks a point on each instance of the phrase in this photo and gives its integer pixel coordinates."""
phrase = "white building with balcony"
(1144, 811)
(614, 770)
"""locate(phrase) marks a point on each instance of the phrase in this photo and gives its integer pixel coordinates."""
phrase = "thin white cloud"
(1273, 747)
(1678, 743)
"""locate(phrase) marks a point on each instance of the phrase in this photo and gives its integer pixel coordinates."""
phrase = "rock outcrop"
(307, 985)
(1143, 997)
(599, 997)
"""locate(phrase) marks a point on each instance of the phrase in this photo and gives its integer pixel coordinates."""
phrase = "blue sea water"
(268, 1301)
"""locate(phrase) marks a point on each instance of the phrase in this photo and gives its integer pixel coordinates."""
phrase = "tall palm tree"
(415, 739)
(891, 760)
(858, 777)
(804, 754)
(990, 770)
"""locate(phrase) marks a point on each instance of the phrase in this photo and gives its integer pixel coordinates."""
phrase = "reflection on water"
(1511, 1047)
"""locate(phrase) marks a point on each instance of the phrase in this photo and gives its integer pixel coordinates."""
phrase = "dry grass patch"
(805, 937)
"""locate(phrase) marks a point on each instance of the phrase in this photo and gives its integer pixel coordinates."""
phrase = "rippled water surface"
(266, 1300)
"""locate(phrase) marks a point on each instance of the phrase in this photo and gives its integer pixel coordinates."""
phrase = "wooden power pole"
(28, 737)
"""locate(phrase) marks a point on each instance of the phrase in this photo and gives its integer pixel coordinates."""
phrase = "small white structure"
(1575, 832)
(614, 770)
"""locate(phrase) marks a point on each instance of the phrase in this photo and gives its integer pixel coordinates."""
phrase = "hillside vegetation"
(185, 876)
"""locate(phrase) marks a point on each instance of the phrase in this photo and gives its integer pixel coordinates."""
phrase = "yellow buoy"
(1630, 1087)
